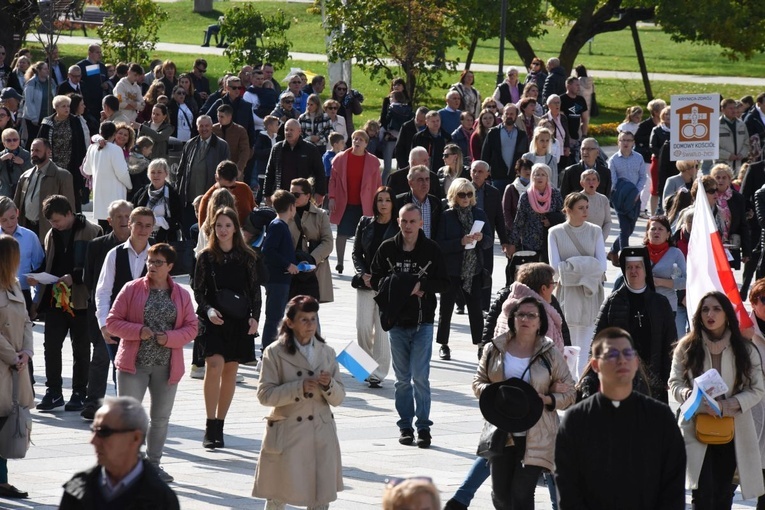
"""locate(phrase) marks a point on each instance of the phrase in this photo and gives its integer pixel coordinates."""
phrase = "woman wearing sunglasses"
(155, 318)
(463, 252)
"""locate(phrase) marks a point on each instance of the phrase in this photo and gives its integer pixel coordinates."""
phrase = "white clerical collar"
(635, 291)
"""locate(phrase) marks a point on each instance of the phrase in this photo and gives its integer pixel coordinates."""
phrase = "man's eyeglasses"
(612, 355)
(465, 194)
(105, 432)
(155, 263)
(526, 316)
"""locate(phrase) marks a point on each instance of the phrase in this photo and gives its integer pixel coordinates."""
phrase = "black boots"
(213, 434)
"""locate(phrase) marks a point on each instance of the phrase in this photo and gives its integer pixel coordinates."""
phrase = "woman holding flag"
(715, 341)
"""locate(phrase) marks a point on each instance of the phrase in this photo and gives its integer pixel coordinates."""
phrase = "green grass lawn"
(614, 96)
(613, 51)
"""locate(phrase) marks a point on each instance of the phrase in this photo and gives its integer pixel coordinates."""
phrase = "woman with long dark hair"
(715, 341)
(486, 120)
(300, 380)
(226, 269)
(370, 233)
(158, 128)
(350, 103)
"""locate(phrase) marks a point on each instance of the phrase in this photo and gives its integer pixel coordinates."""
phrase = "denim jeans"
(162, 399)
(681, 321)
(277, 296)
(513, 483)
(626, 228)
(411, 349)
(478, 474)
(98, 372)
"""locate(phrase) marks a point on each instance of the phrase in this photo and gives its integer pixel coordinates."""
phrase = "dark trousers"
(105, 226)
(188, 219)
(626, 228)
(99, 361)
(715, 490)
(512, 483)
(277, 296)
(488, 265)
(57, 324)
(473, 303)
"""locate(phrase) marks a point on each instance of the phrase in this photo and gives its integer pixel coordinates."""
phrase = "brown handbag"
(714, 430)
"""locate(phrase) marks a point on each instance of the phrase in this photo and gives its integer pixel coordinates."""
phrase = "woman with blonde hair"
(315, 125)
(463, 253)
(540, 151)
(16, 346)
(453, 167)
(632, 118)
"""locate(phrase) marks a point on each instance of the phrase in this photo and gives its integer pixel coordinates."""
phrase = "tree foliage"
(253, 37)
(390, 38)
(130, 33)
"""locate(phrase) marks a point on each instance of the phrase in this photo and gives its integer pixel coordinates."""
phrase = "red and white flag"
(708, 267)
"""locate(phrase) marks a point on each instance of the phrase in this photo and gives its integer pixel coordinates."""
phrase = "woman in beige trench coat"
(16, 346)
(299, 460)
(715, 341)
(318, 235)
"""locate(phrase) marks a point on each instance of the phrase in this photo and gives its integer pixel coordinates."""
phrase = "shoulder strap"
(574, 240)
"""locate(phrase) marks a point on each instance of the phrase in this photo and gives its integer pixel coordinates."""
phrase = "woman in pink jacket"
(155, 318)
(352, 186)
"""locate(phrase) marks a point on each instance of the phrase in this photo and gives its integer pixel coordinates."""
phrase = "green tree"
(254, 37)
(390, 38)
(129, 34)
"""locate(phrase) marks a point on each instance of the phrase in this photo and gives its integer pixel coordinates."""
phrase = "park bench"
(89, 16)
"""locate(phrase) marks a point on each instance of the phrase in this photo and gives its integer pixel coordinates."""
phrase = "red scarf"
(657, 251)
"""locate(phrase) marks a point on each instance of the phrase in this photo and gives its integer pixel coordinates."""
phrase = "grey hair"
(417, 151)
(131, 413)
(418, 169)
(591, 140)
(479, 162)
(159, 162)
(116, 205)
(203, 117)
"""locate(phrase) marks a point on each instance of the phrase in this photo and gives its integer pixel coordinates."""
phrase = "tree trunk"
(641, 62)
(524, 50)
(471, 51)
(18, 16)
(203, 5)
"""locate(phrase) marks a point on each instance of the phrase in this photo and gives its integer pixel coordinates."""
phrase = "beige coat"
(318, 231)
(747, 449)
(15, 336)
(758, 411)
(299, 460)
(540, 439)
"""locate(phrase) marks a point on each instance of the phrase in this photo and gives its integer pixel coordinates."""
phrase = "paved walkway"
(366, 423)
(316, 57)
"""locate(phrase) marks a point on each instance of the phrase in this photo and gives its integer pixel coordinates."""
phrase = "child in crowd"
(372, 128)
(338, 145)
(138, 162)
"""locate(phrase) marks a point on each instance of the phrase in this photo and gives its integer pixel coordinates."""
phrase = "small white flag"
(357, 361)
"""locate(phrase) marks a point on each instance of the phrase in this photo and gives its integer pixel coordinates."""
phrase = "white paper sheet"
(477, 227)
(44, 278)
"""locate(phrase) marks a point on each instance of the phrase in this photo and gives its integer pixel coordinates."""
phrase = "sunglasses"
(288, 101)
(447, 154)
(155, 263)
(10, 139)
(298, 194)
(296, 82)
(105, 432)
(331, 108)
(612, 355)
(465, 194)
(341, 88)
(523, 316)
(711, 191)
(236, 88)
(180, 93)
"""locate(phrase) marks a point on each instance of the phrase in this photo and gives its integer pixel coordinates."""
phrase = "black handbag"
(492, 442)
(231, 304)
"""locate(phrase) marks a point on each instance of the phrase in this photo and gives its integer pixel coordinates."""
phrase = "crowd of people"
(259, 176)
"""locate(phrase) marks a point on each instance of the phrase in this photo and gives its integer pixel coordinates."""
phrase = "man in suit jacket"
(292, 158)
(119, 219)
(434, 139)
(241, 109)
(72, 84)
(405, 136)
(196, 170)
(419, 185)
(236, 138)
(569, 179)
(504, 146)
(43, 180)
(398, 181)
(489, 199)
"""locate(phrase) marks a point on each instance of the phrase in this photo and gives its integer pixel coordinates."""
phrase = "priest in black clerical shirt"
(619, 449)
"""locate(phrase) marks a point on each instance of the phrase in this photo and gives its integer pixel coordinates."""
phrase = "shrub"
(253, 37)
(129, 34)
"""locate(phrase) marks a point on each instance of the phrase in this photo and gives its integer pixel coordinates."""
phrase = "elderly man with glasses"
(121, 479)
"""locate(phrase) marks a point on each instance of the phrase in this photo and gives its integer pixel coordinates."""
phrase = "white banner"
(695, 127)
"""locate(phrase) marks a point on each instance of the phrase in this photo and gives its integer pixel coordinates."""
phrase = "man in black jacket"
(119, 220)
(121, 479)
(398, 181)
(504, 146)
(434, 139)
(242, 109)
(419, 179)
(570, 178)
(293, 158)
(409, 270)
(405, 136)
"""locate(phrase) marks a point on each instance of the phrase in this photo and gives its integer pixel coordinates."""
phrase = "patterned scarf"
(723, 213)
(157, 196)
(469, 257)
(540, 202)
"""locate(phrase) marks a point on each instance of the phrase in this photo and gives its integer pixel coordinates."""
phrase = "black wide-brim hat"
(512, 405)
